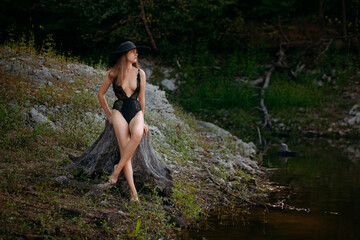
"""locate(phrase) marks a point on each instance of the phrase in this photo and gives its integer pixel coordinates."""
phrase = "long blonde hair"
(118, 70)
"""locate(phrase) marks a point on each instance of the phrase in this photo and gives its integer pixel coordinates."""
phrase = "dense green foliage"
(93, 28)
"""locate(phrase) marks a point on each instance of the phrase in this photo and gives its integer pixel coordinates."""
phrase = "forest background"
(220, 53)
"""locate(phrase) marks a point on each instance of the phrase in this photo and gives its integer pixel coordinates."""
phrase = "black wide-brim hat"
(123, 48)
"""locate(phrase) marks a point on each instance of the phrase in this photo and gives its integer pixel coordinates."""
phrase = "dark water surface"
(324, 180)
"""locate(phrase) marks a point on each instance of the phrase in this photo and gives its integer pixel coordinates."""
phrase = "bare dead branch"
(259, 133)
(279, 62)
(325, 50)
(143, 17)
(257, 81)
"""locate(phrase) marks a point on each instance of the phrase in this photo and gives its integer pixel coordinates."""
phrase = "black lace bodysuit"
(127, 106)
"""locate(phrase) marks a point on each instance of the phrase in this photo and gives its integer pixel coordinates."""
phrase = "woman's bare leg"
(123, 137)
(122, 134)
(128, 172)
(136, 128)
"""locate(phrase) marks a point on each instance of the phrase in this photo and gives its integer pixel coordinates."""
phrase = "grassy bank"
(34, 205)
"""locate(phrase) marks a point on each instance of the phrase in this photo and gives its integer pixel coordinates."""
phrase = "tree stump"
(104, 153)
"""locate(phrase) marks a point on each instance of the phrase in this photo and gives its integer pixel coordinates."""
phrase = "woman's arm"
(141, 96)
(101, 95)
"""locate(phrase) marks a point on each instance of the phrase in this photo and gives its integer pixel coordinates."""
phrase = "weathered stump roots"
(104, 154)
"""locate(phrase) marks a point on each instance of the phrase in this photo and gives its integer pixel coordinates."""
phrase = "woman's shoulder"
(142, 73)
(110, 74)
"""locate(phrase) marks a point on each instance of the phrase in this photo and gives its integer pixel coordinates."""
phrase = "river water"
(323, 183)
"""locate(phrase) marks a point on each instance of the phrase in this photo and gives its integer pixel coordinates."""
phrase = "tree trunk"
(104, 153)
(357, 24)
(143, 17)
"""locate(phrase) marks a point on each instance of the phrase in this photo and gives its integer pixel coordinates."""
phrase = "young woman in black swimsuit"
(127, 116)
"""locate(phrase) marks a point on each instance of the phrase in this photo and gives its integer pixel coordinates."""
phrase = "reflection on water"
(325, 178)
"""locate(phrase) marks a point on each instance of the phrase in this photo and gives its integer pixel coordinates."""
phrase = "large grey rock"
(148, 167)
(232, 161)
(32, 68)
(245, 163)
(169, 84)
(354, 110)
(94, 117)
(155, 131)
(239, 161)
(246, 149)
(354, 120)
(354, 115)
(207, 126)
(155, 101)
(37, 118)
(81, 69)
(43, 74)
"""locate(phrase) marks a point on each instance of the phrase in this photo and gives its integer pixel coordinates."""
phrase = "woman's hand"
(146, 129)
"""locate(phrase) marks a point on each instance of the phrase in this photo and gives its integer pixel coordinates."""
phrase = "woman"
(127, 116)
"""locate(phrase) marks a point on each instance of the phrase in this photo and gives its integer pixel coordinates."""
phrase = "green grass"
(284, 94)
(32, 203)
(184, 198)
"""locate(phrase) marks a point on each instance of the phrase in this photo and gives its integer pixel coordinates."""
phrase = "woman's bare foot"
(113, 178)
(134, 198)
